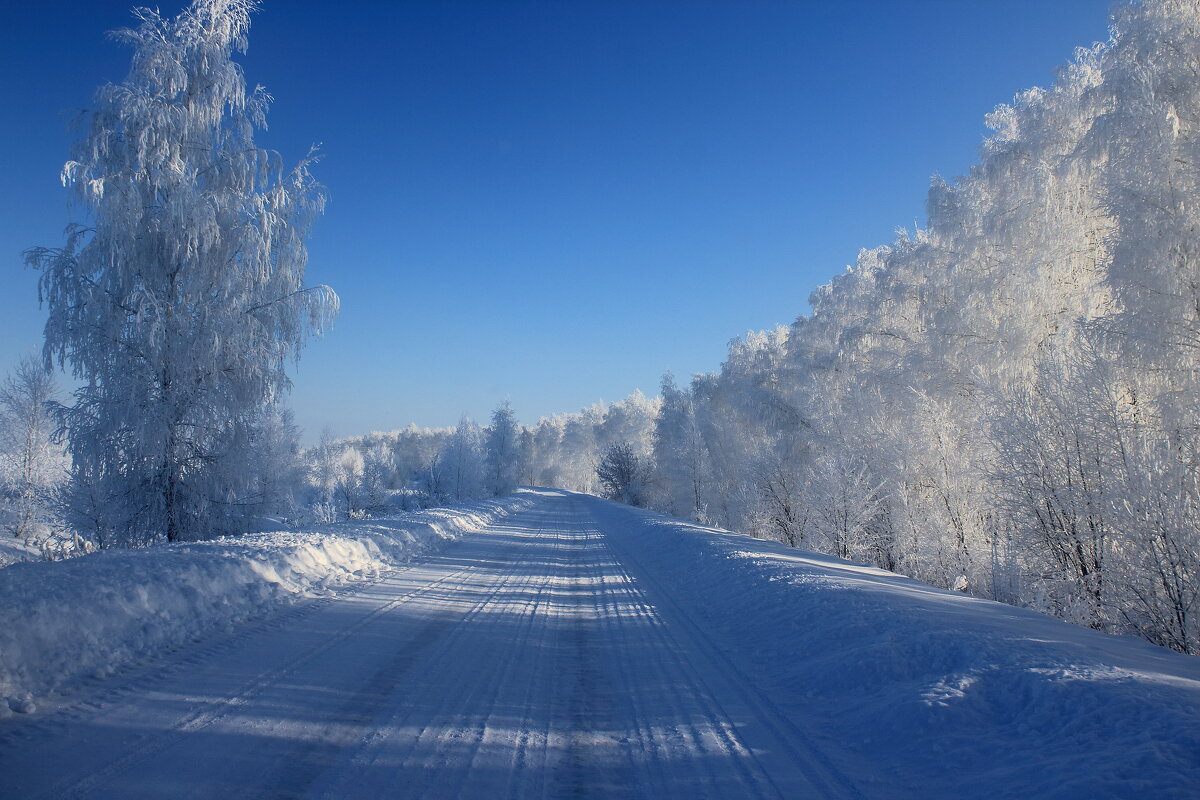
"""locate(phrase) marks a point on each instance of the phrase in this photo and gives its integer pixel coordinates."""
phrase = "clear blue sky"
(555, 202)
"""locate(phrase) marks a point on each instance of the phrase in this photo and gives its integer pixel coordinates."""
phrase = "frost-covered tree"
(351, 466)
(565, 450)
(458, 472)
(1059, 455)
(324, 473)
(1155, 567)
(363, 477)
(547, 443)
(579, 453)
(502, 451)
(527, 455)
(275, 464)
(631, 422)
(178, 303)
(680, 457)
(413, 450)
(31, 464)
(845, 503)
(622, 474)
(377, 472)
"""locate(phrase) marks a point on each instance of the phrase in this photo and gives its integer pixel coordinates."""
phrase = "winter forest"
(1002, 403)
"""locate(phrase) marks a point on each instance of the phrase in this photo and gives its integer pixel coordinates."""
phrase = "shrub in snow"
(622, 475)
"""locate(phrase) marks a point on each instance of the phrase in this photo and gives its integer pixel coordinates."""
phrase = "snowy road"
(535, 659)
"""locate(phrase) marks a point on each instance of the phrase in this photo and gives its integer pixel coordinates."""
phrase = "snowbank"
(943, 694)
(67, 620)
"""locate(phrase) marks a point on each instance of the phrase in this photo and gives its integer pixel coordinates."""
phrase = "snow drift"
(64, 621)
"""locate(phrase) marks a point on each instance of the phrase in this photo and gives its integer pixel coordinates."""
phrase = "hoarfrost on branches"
(32, 465)
(178, 304)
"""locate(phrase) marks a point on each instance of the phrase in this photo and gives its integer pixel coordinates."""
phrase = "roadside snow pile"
(934, 693)
(63, 621)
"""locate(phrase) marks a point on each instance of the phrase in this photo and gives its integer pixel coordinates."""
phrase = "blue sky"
(554, 202)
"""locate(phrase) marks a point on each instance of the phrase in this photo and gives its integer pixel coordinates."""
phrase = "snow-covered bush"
(622, 475)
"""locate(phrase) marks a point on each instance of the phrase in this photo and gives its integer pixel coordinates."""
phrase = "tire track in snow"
(428, 751)
(591, 695)
(703, 737)
(478, 708)
(538, 685)
(536, 658)
(209, 711)
(826, 778)
(623, 706)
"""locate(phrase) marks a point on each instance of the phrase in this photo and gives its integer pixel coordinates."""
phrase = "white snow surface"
(92, 615)
(14, 551)
(921, 692)
(571, 647)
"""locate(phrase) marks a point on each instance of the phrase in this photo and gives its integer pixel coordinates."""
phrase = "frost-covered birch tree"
(502, 454)
(31, 464)
(679, 454)
(178, 301)
(459, 471)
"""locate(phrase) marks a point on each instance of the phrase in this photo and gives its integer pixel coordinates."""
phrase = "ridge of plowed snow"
(88, 616)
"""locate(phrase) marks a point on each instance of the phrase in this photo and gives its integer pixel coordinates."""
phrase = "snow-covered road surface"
(565, 646)
(535, 659)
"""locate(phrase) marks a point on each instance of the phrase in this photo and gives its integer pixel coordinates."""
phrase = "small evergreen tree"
(621, 474)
